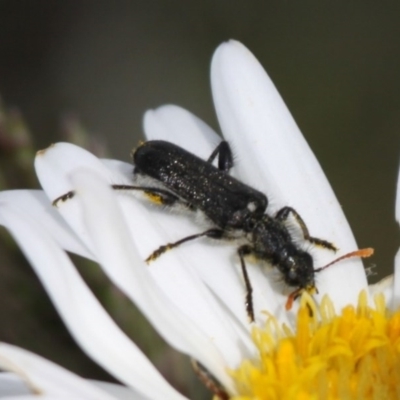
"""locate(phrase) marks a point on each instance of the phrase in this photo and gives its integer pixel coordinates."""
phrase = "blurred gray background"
(336, 64)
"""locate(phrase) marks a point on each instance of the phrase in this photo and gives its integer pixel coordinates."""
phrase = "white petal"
(37, 205)
(274, 156)
(90, 325)
(396, 285)
(180, 274)
(119, 391)
(35, 397)
(58, 160)
(122, 172)
(12, 385)
(396, 289)
(117, 254)
(52, 168)
(384, 286)
(177, 125)
(397, 207)
(47, 378)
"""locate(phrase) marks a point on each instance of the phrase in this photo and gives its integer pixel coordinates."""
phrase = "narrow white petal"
(274, 157)
(57, 161)
(90, 325)
(35, 397)
(177, 125)
(397, 207)
(384, 286)
(122, 172)
(119, 391)
(52, 167)
(37, 205)
(181, 275)
(121, 261)
(46, 378)
(12, 385)
(396, 288)
(396, 285)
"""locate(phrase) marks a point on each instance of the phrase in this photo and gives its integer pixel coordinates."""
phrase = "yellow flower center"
(355, 355)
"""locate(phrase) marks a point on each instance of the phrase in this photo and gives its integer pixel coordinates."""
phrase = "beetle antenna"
(363, 253)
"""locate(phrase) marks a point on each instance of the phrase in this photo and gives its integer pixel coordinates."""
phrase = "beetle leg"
(243, 251)
(283, 214)
(154, 194)
(211, 233)
(225, 158)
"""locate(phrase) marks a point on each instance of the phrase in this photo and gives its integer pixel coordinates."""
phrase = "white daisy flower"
(194, 295)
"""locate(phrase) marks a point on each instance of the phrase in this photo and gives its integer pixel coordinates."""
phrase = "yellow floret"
(354, 355)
